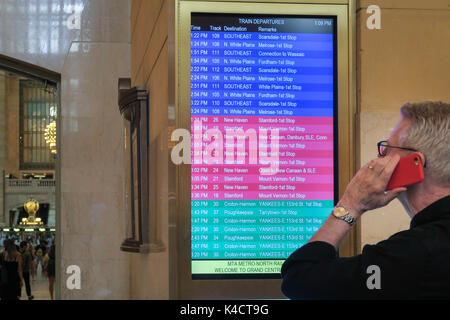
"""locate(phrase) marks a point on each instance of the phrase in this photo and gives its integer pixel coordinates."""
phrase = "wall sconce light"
(50, 136)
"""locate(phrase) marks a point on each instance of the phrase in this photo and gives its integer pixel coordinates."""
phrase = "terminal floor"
(39, 287)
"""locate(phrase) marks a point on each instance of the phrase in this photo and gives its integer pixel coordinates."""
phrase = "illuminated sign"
(263, 115)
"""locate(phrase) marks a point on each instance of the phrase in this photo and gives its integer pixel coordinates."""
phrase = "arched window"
(38, 105)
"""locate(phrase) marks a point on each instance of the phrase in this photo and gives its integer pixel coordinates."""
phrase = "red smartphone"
(409, 170)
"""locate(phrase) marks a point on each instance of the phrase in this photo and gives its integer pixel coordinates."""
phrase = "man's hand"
(366, 191)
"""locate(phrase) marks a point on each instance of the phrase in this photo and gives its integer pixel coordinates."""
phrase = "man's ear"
(422, 158)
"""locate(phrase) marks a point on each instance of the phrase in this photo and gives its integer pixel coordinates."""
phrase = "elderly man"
(410, 264)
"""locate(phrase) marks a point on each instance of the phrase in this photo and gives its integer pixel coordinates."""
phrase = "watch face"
(339, 212)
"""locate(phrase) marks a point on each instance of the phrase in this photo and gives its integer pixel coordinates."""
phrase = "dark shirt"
(26, 260)
(413, 264)
(11, 289)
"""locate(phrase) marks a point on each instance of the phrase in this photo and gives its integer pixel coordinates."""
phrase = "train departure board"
(264, 136)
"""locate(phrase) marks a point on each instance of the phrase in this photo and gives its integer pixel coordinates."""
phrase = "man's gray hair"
(429, 133)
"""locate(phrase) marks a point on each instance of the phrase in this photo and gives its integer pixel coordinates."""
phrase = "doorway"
(29, 167)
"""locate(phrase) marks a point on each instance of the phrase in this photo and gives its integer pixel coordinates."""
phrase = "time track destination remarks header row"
(262, 23)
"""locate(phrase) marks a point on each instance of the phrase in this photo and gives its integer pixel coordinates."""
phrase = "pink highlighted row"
(261, 195)
(261, 186)
(258, 120)
(252, 178)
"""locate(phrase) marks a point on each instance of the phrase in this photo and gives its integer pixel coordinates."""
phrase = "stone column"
(2, 146)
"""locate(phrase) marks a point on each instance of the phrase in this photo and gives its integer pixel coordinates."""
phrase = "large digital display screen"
(264, 136)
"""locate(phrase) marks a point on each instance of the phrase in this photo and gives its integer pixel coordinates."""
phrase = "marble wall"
(406, 60)
(150, 277)
(92, 211)
(90, 56)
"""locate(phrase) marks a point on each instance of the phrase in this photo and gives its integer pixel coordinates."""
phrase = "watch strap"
(347, 217)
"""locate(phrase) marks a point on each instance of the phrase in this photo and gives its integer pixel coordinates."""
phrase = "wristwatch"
(343, 214)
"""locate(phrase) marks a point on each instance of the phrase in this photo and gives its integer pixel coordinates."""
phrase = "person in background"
(3, 274)
(41, 250)
(12, 262)
(27, 266)
(33, 261)
(49, 267)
